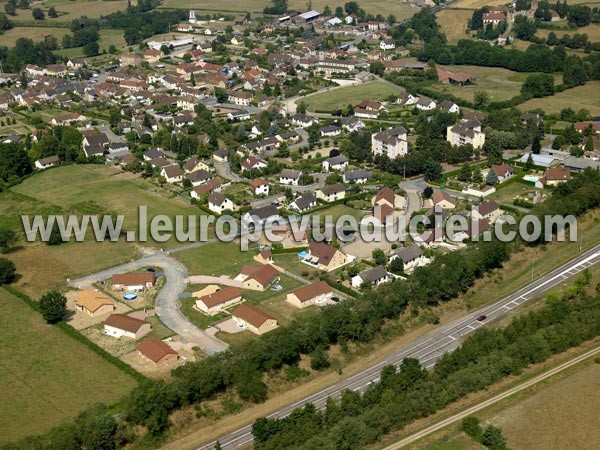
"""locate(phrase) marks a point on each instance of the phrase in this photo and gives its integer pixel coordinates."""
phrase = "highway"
(429, 348)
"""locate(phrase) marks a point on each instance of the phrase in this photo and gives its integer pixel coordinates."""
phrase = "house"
(304, 121)
(213, 304)
(587, 125)
(154, 153)
(304, 202)
(352, 124)
(198, 177)
(67, 119)
(411, 257)
(259, 216)
(553, 176)
(130, 59)
(157, 352)
(253, 163)
(172, 174)
(331, 193)
(193, 164)
(385, 196)
(486, 210)
(221, 155)
(290, 177)
(206, 188)
(443, 199)
(253, 319)
(185, 27)
(120, 325)
(503, 171)
(458, 79)
(493, 18)
(468, 132)
(425, 104)
(313, 294)
(449, 106)
(374, 275)
(339, 163)
(133, 281)
(383, 214)
(359, 176)
(240, 98)
(324, 256)
(240, 20)
(392, 142)
(330, 131)
(218, 203)
(94, 303)
(387, 44)
(530, 117)
(406, 99)
(260, 278)
(45, 163)
(259, 186)
(264, 257)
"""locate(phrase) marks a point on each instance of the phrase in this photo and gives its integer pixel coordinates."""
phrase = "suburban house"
(486, 210)
(468, 132)
(154, 153)
(390, 142)
(383, 214)
(375, 276)
(198, 177)
(260, 278)
(206, 188)
(443, 199)
(240, 98)
(259, 187)
(290, 177)
(493, 18)
(133, 281)
(503, 171)
(449, 106)
(264, 257)
(304, 121)
(387, 44)
(411, 257)
(218, 203)
(312, 294)
(194, 164)
(157, 352)
(120, 325)
(258, 216)
(406, 99)
(172, 174)
(359, 176)
(339, 162)
(553, 176)
(304, 202)
(44, 163)
(253, 319)
(352, 124)
(253, 163)
(385, 196)
(330, 131)
(331, 193)
(425, 104)
(94, 303)
(324, 256)
(459, 79)
(213, 304)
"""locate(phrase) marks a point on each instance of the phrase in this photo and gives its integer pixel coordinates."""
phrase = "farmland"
(576, 98)
(73, 376)
(453, 23)
(68, 10)
(342, 97)
(592, 30)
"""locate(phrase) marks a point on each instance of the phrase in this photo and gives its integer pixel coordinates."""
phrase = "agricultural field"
(107, 37)
(454, 23)
(10, 37)
(576, 98)
(70, 9)
(592, 30)
(352, 95)
(29, 348)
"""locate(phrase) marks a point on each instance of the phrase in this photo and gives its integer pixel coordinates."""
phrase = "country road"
(429, 348)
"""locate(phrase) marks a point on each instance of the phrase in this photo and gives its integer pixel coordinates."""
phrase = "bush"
(53, 306)
(7, 271)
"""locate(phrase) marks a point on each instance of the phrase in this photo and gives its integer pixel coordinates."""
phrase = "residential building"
(392, 142)
(218, 203)
(324, 256)
(385, 196)
(253, 319)
(486, 210)
(313, 294)
(94, 303)
(120, 325)
(198, 177)
(304, 202)
(503, 171)
(339, 163)
(157, 352)
(374, 276)
(359, 176)
(553, 176)
(442, 199)
(172, 174)
(133, 281)
(259, 187)
(45, 163)
(449, 106)
(290, 177)
(212, 304)
(468, 132)
(411, 257)
(261, 278)
(425, 104)
(331, 193)
(259, 216)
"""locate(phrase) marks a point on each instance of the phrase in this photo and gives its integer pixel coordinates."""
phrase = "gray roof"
(374, 274)
(265, 212)
(335, 160)
(216, 198)
(357, 174)
(407, 254)
(575, 163)
(200, 175)
(305, 201)
(290, 173)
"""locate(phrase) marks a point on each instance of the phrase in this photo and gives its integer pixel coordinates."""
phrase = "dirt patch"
(114, 346)
(80, 320)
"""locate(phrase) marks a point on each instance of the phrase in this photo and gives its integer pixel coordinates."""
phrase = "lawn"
(577, 98)
(217, 258)
(454, 23)
(46, 376)
(352, 95)
(71, 9)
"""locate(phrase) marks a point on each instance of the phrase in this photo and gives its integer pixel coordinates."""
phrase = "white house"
(259, 187)
(218, 203)
(375, 276)
(339, 162)
(387, 44)
(331, 193)
(172, 174)
(425, 104)
(44, 163)
(290, 177)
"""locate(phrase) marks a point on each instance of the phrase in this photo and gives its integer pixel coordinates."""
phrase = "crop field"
(592, 30)
(10, 37)
(352, 95)
(70, 9)
(577, 98)
(47, 377)
(454, 23)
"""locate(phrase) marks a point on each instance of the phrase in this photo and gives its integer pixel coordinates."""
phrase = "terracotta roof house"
(443, 199)
(120, 325)
(133, 281)
(156, 352)
(172, 174)
(385, 196)
(383, 213)
(553, 176)
(324, 256)
(486, 210)
(261, 279)
(212, 304)
(312, 294)
(211, 185)
(94, 303)
(264, 257)
(259, 186)
(503, 171)
(253, 319)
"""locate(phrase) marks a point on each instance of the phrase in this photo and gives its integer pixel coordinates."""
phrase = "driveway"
(167, 303)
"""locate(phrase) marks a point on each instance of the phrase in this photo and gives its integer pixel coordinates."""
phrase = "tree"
(493, 438)
(114, 117)
(53, 306)
(7, 239)
(470, 425)
(301, 108)
(327, 11)
(379, 257)
(23, 4)
(221, 95)
(23, 81)
(38, 14)
(91, 49)
(491, 178)
(52, 12)
(339, 12)
(217, 446)
(396, 266)
(529, 162)
(536, 145)
(477, 176)
(319, 359)
(351, 8)
(481, 100)
(428, 192)
(465, 173)
(10, 9)
(432, 170)
(7, 271)
(112, 49)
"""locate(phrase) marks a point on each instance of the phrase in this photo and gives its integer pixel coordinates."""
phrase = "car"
(150, 269)
(335, 299)
(481, 318)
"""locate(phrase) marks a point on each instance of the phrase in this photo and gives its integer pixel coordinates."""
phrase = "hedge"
(339, 286)
(281, 251)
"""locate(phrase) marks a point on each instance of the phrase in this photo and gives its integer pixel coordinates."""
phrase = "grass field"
(592, 30)
(47, 377)
(352, 95)
(577, 98)
(107, 37)
(454, 23)
(218, 258)
(9, 37)
(71, 9)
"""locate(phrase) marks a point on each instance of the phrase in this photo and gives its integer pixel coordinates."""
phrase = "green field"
(215, 259)
(454, 23)
(70, 9)
(107, 37)
(47, 377)
(577, 98)
(592, 30)
(352, 95)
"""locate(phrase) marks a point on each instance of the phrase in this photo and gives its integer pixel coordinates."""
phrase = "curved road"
(166, 304)
(429, 348)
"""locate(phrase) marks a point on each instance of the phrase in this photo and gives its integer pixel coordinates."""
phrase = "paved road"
(166, 304)
(429, 348)
(455, 418)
